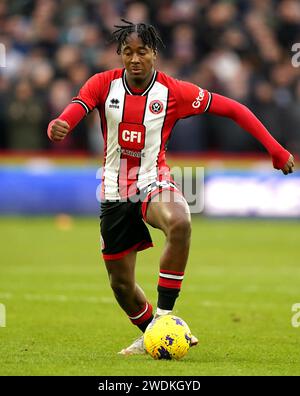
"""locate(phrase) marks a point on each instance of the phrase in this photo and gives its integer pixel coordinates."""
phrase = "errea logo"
(114, 103)
(197, 103)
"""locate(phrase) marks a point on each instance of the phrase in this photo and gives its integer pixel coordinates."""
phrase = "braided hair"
(146, 32)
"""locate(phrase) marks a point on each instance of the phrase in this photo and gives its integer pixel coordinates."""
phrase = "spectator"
(24, 119)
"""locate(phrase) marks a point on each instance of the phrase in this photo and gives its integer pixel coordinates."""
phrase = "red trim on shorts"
(153, 194)
(138, 247)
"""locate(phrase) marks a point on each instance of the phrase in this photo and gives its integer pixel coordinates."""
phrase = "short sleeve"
(90, 94)
(191, 99)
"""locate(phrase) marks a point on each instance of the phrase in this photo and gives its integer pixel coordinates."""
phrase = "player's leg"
(128, 293)
(130, 297)
(123, 233)
(170, 213)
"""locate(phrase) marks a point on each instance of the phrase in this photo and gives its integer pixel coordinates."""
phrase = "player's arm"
(223, 106)
(66, 122)
(81, 105)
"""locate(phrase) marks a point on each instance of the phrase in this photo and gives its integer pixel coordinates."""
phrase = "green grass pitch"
(242, 279)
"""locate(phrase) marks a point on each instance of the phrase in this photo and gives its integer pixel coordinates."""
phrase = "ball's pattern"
(167, 337)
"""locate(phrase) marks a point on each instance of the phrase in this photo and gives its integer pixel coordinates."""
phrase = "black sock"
(166, 297)
(143, 326)
(169, 284)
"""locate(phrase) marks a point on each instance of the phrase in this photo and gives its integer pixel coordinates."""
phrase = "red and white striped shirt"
(137, 125)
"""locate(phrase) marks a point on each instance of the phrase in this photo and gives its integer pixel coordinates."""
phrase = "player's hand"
(58, 130)
(289, 166)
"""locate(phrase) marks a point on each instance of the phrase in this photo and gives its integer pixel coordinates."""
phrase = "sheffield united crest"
(156, 106)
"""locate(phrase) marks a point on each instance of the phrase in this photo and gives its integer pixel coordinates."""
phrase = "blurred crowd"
(238, 48)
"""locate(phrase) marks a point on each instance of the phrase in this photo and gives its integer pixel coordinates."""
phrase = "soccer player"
(138, 107)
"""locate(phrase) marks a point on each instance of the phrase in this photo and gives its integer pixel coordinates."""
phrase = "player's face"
(137, 58)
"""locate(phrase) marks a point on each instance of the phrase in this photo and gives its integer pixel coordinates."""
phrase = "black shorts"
(122, 223)
(122, 229)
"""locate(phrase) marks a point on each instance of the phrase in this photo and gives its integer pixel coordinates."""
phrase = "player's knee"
(121, 287)
(179, 228)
